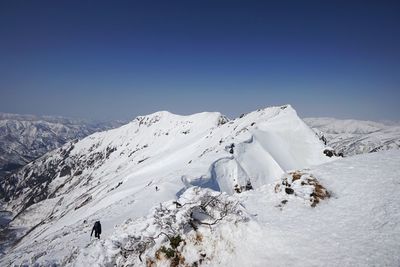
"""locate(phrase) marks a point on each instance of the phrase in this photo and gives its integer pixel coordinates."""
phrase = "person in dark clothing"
(97, 229)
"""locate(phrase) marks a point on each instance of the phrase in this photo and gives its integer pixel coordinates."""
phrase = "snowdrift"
(357, 226)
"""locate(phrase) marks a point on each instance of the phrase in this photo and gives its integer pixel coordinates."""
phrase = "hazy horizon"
(108, 60)
(385, 121)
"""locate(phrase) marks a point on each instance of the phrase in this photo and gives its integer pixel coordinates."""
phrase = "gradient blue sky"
(119, 59)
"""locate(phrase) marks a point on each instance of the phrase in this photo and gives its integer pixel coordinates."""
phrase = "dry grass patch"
(302, 185)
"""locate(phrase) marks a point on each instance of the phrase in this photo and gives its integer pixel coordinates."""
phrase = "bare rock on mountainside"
(24, 138)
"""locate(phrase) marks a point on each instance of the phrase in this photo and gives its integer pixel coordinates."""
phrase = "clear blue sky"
(119, 59)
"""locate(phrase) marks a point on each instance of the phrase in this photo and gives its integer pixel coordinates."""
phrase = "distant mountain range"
(352, 137)
(24, 138)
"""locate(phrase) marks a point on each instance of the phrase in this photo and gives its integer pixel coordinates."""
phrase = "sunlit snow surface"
(358, 225)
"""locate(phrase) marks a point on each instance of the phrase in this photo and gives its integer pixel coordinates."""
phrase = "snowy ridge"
(122, 173)
(352, 137)
(358, 226)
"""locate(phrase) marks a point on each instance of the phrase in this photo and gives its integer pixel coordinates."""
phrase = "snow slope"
(352, 137)
(123, 173)
(358, 226)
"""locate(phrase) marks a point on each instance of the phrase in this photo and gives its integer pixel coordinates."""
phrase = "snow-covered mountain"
(166, 190)
(352, 137)
(123, 172)
(24, 138)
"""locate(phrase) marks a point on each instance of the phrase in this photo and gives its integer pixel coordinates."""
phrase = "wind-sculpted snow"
(351, 137)
(357, 226)
(186, 232)
(122, 173)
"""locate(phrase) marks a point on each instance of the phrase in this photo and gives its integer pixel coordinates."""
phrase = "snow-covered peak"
(166, 115)
(124, 172)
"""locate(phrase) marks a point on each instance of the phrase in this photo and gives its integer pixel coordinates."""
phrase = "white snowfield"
(120, 176)
(358, 226)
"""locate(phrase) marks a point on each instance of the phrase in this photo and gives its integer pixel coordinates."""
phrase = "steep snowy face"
(202, 149)
(352, 137)
(123, 172)
(24, 138)
(61, 170)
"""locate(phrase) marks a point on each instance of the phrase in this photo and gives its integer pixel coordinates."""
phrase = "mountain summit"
(122, 173)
